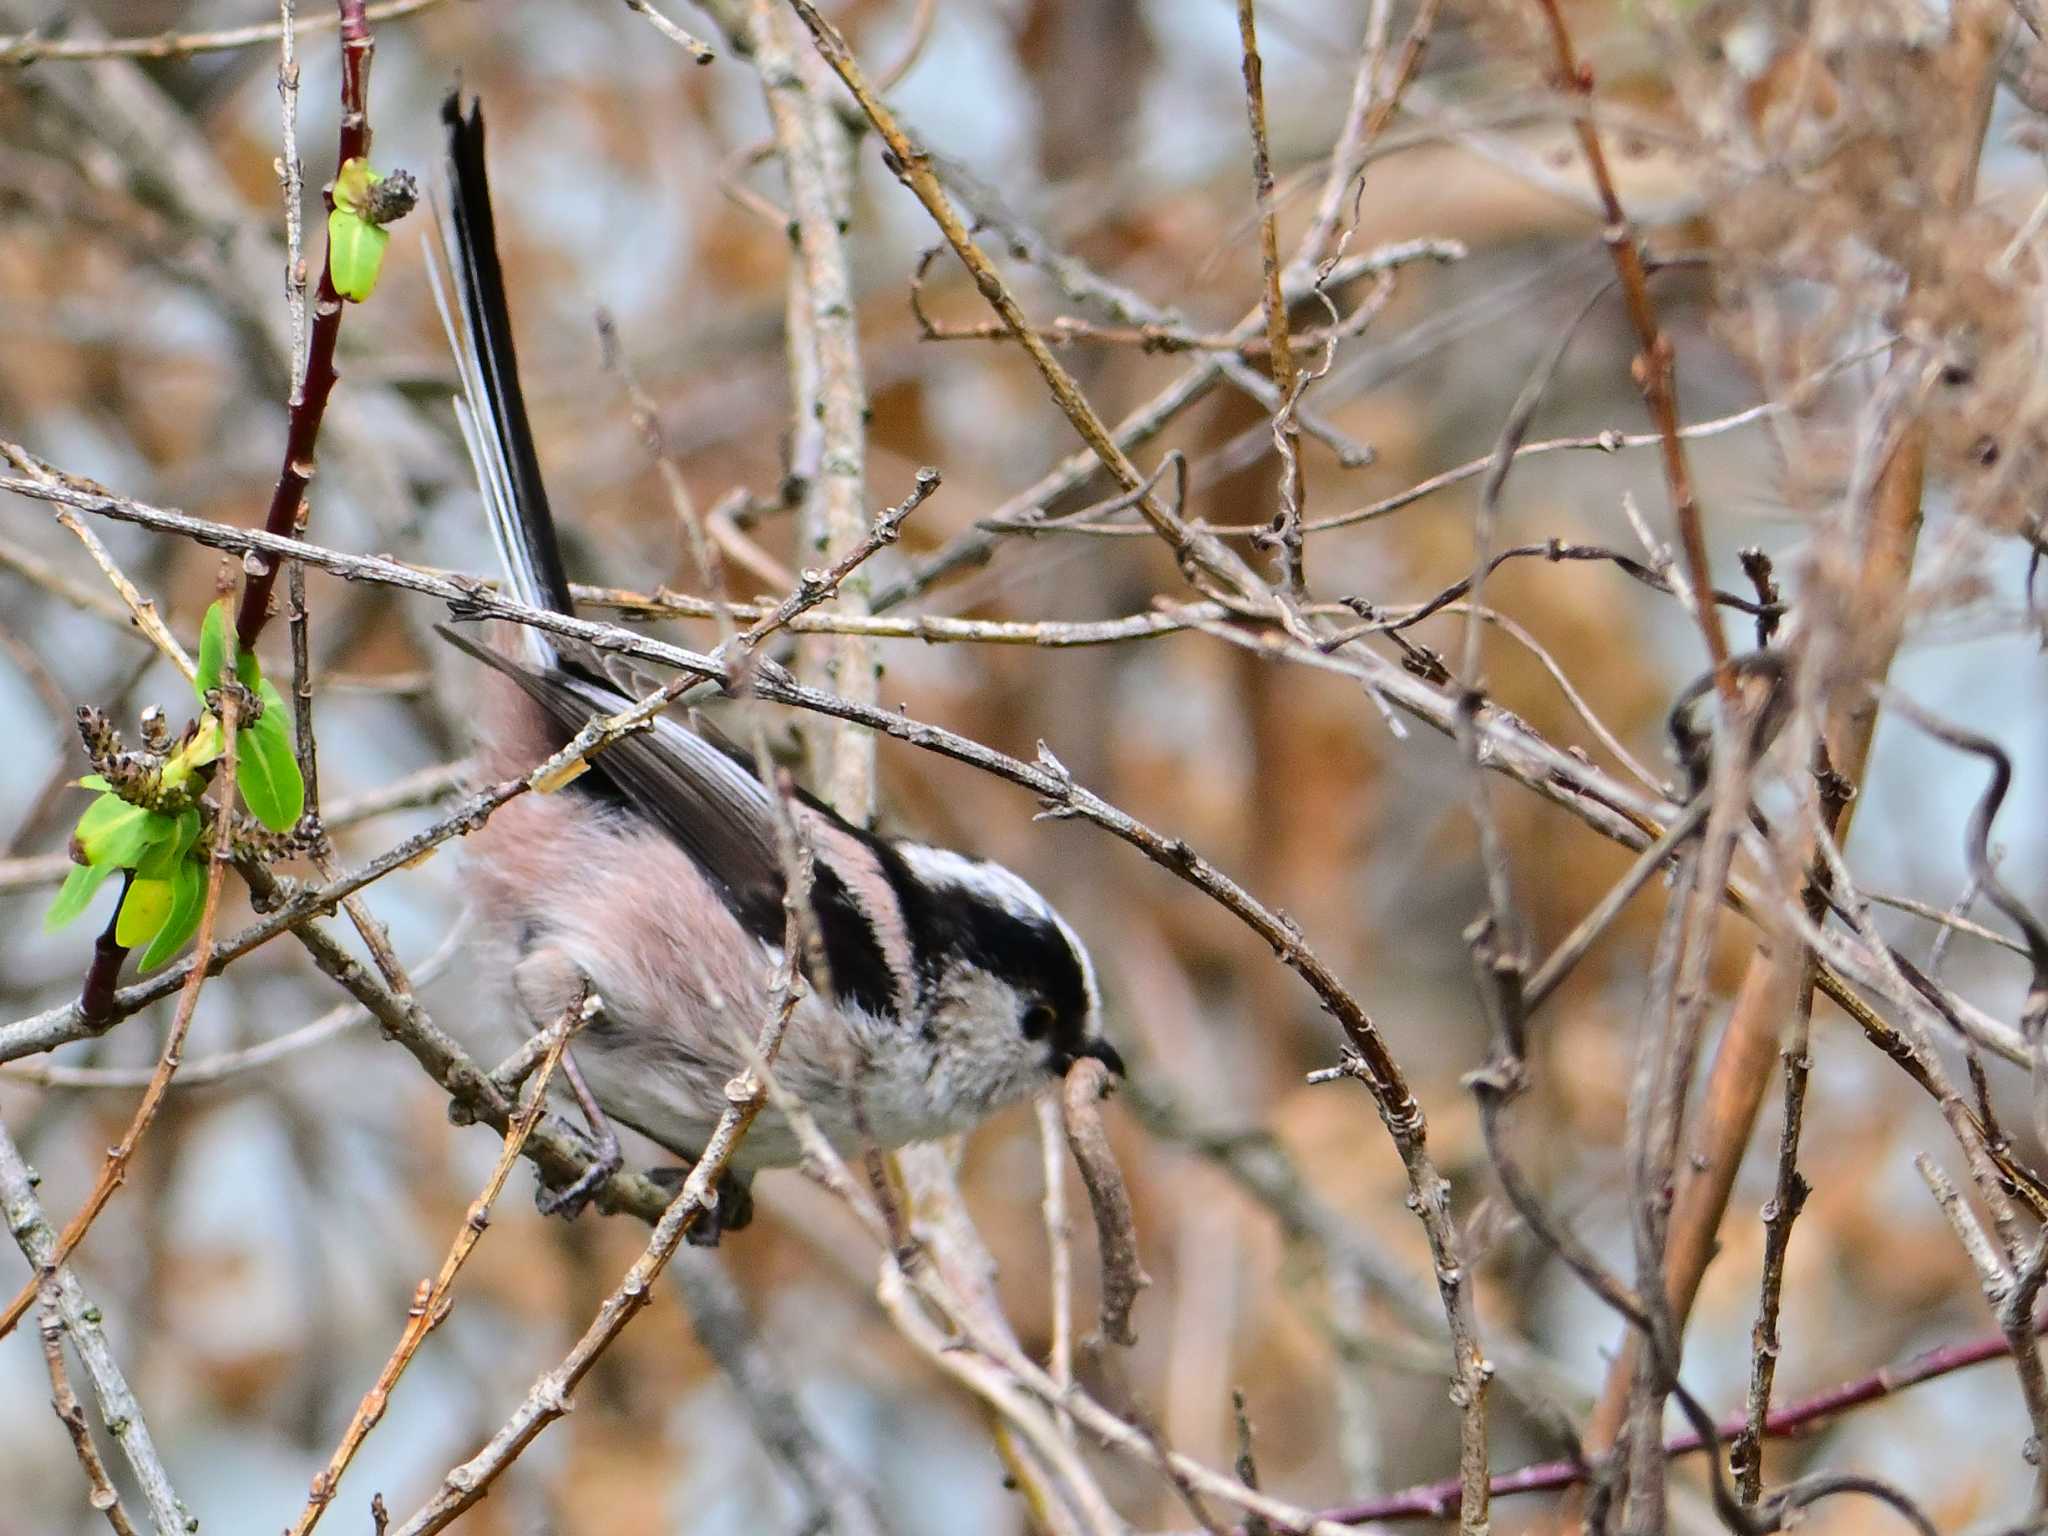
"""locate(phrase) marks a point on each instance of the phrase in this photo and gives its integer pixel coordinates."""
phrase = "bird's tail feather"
(491, 409)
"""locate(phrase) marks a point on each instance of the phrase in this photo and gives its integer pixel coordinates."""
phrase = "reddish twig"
(310, 394)
(1439, 1500)
(311, 391)
(1655, 366)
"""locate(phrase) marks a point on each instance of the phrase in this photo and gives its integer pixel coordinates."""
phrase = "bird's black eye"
(1038, 1020)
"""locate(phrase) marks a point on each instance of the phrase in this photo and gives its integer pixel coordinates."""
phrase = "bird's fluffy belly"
(683, 986)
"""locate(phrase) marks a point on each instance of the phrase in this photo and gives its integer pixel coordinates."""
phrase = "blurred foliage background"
(259, 1262)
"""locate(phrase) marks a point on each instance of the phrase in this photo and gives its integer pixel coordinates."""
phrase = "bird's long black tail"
(492, 409)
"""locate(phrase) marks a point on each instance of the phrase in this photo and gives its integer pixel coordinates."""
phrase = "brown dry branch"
(1655, 367)
(933, 629)
(1209, 564)
(1139, 426)
(143, 611)
(2011, 1293)
(1861, 959)
(549, 1398)
(1772, 989)
(1609, 441)
(1116, 1231)
(1279, 345)
(1197, 551)
(815, 587)
(695, 46)
(1144, 325)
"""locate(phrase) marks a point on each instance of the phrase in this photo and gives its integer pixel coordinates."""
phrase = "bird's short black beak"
(1100, 1050)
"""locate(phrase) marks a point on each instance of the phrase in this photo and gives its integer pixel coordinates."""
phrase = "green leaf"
(203, 748)
(80, 886)
(115, 833)
(143, 911)
(164, 856)
(352, 184)
(355, 253)
(93, 781)
(265, 768)
(188, 895)
(213, 650)
(249, 669)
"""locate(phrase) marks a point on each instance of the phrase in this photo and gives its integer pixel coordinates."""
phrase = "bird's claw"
(732, 1211)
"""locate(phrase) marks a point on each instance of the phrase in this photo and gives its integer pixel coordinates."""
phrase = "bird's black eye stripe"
(1028, 950)
(860, 972)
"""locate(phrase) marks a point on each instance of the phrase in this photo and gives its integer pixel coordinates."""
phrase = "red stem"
(308, 409)
(1439, 1500)
(309, 399)
(96, 997)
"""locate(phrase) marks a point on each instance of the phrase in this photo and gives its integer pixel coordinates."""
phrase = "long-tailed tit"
(949, 988)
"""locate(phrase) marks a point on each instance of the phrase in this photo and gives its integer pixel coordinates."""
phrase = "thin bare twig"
(432, 1301)
(231, 1064)
(1887, 522)
(1059, 1234)
(1116, 1231)
(913, 167)
(141, 608)
(2012, 1294)
(291, 176)
(30, 48)
(1655, 367)
(118, 1409)
(689, 42)
(1280, 348)
(100, 1492)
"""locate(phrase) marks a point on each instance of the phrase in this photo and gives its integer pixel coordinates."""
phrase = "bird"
(944, 987)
